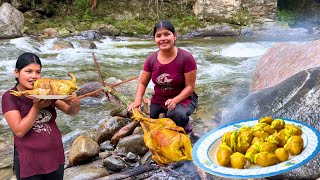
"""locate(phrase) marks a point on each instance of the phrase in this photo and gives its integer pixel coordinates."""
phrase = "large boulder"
(282, 61)
(11, 21)
(295, 98)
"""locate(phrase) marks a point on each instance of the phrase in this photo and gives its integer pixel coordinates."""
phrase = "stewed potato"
(282, 154)
(223, 154)
(238, 160)
(266, 159)
(267, 120)
(278, 124)
(268, 147)
(294, 145)
(268, 142)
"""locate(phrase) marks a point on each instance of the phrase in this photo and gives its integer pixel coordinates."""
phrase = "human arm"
(142, 85)
(70, 105)
(190, 81)
(20, 126)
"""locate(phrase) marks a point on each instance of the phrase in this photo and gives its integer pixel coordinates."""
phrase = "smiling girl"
(38, 148)
(173, 71)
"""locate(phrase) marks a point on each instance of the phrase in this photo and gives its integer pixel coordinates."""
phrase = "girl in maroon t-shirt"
(38, 148)
(173, 71)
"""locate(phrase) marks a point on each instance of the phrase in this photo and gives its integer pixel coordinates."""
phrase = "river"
(225, 68)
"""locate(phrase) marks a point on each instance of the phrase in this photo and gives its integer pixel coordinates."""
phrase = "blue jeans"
(180, 114)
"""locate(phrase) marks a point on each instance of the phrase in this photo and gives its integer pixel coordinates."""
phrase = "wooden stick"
(100, 75)
(101, 89)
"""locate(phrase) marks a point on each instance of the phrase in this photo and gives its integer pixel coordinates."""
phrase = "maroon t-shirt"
(169, 78)
(40, 150)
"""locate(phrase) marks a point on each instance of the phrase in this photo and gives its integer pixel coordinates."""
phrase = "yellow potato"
(238, 160)
(278, 124)
(268, 142)
(295, 130)
(267, 119)
(294, 145)
(223, 154)
(266, 159)
(268, 147)
(261, 134)
(283, 137)
(230, 139)
(282, 154)
(255, 139)
(273, 139)
(269, 129)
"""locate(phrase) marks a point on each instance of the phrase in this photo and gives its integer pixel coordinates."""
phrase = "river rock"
(88, 171)
(50, 33)
(108, 128)
(11, 21)
(89, 87)
(6, 173)
(282, 61)
(114, 163)
(6, 155)
(133, 143)
(87, 44)
(216, 30)
(82, 149)
(61, 44)
(68, 139)
(295, 98)
(124, 131)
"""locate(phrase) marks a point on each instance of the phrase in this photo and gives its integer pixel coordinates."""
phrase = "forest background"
(132, 17)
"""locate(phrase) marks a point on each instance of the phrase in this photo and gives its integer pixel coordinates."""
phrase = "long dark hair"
(163, 24)
(25, 59)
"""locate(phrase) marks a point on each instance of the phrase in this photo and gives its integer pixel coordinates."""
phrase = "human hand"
(170, 104)
(134, 104)
(41, 103)
(72, 100)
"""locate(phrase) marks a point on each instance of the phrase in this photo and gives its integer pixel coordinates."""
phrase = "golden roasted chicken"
(48, 86)
(167, 141)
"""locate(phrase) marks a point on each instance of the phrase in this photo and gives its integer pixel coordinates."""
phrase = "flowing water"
(225, 68)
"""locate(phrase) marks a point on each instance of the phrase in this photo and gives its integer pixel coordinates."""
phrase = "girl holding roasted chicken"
(38, 148)
(173, 71)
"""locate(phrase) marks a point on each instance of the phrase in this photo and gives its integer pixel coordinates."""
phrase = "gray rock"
(68, 139)
(282, 61)
(11, 21)
(114, 163)
(106, 146)
(133, 143)
(82, 149)
(108, 128)
(89, 171)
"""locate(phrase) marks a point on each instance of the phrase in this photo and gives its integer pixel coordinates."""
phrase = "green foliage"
(82, 7)
(241, 17)
(186, 23)
(81, 4)
(286, 17)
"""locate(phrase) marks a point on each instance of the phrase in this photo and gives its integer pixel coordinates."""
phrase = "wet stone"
(132, 157)
(106, 146)
(114, 164)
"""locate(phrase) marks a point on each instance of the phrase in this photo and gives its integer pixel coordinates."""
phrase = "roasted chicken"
(48, 86)
(167, 141)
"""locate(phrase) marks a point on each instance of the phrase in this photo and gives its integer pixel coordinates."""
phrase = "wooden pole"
(100, 75)
(113, 85)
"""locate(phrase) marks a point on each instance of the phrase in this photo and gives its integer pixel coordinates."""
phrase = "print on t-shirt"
(41, 124)
(164, 82)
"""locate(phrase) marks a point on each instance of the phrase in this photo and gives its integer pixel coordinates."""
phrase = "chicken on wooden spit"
(49, 86)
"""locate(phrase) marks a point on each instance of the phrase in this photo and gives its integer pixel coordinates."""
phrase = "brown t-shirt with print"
(40, 150)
